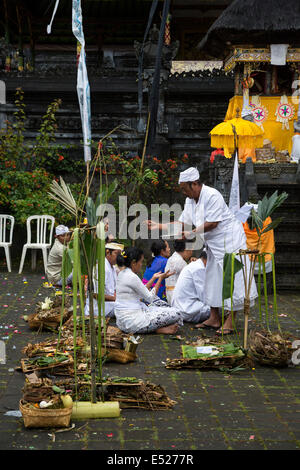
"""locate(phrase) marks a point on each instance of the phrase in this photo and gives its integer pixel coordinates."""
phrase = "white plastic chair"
(7, 223)
(43, 238)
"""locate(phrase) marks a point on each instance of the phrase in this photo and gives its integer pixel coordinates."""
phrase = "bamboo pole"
(141, 169)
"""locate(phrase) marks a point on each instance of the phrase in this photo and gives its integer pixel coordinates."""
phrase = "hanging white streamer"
(234, 200)
(53, 15)
(83, 87)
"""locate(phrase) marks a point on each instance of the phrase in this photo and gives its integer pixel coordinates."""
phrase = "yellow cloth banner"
(281, 138)
(267, 243)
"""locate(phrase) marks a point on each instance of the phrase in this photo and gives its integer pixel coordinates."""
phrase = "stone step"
(288, 276)
(293, 191)
(288, 234)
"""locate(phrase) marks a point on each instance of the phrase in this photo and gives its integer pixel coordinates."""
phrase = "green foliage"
(227, 349)
(24, 193)
(266, 207)
(24, 166)
(152, 176)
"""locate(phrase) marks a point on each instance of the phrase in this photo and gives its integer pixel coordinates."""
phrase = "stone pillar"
(169, 52)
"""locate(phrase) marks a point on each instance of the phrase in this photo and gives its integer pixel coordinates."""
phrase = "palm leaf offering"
(222, 350)
(125, 380)
(49, 319)
(229, 362)
(44, 361)
(205, 353)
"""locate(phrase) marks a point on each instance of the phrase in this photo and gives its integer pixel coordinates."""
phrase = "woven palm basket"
(45, 418)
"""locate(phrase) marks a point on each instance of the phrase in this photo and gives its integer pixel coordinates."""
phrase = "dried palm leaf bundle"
(51, 346)
(68, 327)
(31, 350)
(210, 356)
(141, 395)
(270, 348)
(49, 361)
(38, 391)
(48, 318)
(114, 337)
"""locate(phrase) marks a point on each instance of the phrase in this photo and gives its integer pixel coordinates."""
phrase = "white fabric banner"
(279, 53)
(234, 200)
(83, 87)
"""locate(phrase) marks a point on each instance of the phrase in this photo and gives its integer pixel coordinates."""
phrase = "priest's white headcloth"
(189, 175)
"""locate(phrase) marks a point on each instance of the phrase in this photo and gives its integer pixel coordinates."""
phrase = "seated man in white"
(175, 264)
(188, 294)
(54, 264)
(112, 250)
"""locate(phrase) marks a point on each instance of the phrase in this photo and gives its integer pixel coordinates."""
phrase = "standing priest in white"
(207, 211)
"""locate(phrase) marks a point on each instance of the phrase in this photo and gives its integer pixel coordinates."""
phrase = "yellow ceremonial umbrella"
(236, 133)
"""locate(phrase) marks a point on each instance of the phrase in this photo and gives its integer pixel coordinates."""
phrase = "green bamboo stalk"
(231, 292)
(101, 301)
(259, 288)
(265, 290)
(223, 310)
(275, 310)
(64, 279)
(82, 302)
(75, 287)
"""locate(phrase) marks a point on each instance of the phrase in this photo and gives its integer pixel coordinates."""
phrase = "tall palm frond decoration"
(266, 208)
(83, 255)
(62, 194)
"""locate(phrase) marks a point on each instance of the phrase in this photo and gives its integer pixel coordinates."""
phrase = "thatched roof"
(254, 22)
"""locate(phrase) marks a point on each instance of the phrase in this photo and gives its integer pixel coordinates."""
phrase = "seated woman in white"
(133, 315)
(189, 295)
(176, 263)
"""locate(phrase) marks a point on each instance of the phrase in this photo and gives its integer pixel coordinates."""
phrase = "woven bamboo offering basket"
(45, 418)
(51, 320)
(120, 355)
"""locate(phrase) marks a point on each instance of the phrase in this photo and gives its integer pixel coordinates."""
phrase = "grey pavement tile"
(214, 404)
(281, 445)
(139, 445)
(204, 444)
(233, 419)
(247, 445)
(261, 420)
(175, 444)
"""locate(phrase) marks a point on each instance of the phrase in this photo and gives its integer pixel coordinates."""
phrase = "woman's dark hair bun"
(131, 254)
(156, 249)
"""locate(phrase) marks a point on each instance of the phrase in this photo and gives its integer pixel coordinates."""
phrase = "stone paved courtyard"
(250, 409)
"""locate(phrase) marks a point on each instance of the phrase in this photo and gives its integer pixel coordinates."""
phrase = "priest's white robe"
(175, 264)
(189, 293)
(227, 237)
